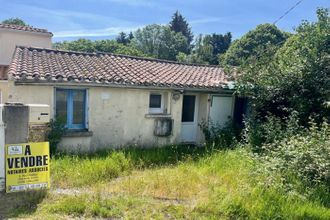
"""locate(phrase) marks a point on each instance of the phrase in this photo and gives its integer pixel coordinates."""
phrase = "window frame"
(157, 110)
(69, 120)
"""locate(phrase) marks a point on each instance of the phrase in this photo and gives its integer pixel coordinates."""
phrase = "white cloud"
(206, 20)
(71, 20)
(110, 31)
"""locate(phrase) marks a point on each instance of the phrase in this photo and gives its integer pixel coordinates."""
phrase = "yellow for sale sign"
(27, 166)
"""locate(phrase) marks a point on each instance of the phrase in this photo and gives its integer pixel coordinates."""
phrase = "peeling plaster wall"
(117, 117)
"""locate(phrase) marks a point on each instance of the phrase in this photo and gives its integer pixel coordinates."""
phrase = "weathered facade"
(110, 101)
(117, 116)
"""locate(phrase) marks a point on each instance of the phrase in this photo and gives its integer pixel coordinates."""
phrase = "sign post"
(27, 166)
(2, 151)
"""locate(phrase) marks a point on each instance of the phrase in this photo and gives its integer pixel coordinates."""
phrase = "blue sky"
(72, 19)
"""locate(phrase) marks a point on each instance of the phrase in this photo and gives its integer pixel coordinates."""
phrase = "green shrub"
(258, 133)
(303, 160)
(308, 154)
(56, 131)
(219, 137)
(296, 78)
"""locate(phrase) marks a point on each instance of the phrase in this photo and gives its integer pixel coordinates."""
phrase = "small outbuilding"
(110, 100)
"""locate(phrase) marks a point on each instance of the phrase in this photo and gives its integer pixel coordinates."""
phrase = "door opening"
(221, 110)
(189, 118)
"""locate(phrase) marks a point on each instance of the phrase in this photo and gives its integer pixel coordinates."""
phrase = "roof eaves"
(119, 55)
(120, 85)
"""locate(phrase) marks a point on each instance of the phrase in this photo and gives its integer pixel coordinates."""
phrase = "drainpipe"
(2, 150)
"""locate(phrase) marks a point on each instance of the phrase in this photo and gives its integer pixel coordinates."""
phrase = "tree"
(296, 79)
(130, 36)
(220, 43)
(265, 40)
(82, 45)
(211, 46)
(160, 41)
(179, 24)
(189, 58)
(15, 21)
(123, 38)
(108, 46)
(208, 48)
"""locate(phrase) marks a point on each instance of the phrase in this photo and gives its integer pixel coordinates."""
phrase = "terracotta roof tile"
(45, 65)
(24, 28)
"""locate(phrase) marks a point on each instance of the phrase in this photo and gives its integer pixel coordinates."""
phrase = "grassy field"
(167, 183)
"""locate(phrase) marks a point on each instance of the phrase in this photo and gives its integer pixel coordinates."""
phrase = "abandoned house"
(110, 100)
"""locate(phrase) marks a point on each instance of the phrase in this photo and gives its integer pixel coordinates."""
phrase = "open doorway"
(189, 123)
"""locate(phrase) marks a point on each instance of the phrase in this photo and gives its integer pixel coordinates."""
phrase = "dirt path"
(82, 191)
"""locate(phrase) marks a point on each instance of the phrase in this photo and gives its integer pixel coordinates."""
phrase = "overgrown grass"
(168, 155)
(77, 171)
(94, 206)
(221, 185)
(69, 170)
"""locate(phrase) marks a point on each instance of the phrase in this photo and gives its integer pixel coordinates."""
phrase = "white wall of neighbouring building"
(9, 39)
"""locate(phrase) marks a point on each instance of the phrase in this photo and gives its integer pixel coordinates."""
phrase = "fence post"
(2, 150)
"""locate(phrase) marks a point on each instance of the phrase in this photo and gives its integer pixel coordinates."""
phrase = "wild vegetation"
(295, 79)
(55, 133)
(278, 167)
(143, 183)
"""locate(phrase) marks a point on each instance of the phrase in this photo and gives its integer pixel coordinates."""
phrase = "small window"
(155, 101)
(71, 107)
(156, 105)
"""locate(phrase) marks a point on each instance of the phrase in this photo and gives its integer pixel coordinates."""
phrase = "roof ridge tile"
(27, 28)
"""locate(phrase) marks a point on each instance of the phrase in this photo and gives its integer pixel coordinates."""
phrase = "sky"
(104, 19)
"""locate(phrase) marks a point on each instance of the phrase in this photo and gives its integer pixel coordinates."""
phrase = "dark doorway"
(188, 108)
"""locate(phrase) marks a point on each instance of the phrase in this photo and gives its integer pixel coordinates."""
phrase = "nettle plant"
(307, 154)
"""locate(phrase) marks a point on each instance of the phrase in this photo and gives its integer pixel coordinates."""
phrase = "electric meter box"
(39, 113)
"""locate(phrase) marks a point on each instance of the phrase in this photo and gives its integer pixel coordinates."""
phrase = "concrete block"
(16, 119)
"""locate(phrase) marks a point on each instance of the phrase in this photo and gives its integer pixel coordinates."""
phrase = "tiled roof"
(54, 66)
(24, 28)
